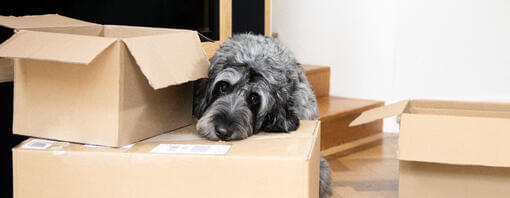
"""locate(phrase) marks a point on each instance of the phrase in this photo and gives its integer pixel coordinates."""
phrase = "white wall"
(398, 49)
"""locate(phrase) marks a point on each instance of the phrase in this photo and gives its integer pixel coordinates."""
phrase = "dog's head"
(249, 89)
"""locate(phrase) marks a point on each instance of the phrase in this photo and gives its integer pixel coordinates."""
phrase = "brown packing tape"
(37, 21)
(380, 113)
(54, 47)
(169, 59)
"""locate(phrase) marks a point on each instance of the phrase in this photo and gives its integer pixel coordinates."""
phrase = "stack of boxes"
(98, 101)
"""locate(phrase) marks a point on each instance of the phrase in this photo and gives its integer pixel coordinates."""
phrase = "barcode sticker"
(38, 144)
(191, 149)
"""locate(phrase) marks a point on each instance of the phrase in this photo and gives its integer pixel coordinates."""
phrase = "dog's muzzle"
(227, 118)
(223, 131)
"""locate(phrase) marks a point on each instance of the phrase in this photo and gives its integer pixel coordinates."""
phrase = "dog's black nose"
(222, 132)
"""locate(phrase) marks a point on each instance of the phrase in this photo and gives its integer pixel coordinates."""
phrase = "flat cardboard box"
(265, 165)
(450, 148)
(100, 84)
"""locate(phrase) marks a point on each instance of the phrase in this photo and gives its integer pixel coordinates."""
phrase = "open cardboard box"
(176, 164)
(100, 84)
(450, 148)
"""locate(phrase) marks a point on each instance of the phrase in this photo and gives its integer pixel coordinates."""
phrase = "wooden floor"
(367, 171)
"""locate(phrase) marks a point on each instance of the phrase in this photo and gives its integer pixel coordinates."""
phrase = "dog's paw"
(281, 123)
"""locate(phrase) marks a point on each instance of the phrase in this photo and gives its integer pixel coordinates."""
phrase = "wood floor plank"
(345, 192)
(368, 171)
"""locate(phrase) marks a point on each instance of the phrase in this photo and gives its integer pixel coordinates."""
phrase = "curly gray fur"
(255, 84)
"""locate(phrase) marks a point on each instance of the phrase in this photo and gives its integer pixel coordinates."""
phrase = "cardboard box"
(100, 84)
(266, 165)
(450, 148)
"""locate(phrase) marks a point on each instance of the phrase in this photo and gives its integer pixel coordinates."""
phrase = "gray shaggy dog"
(255, 84)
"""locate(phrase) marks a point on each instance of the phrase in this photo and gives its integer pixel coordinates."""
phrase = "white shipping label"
(191, 149)
(38, 144)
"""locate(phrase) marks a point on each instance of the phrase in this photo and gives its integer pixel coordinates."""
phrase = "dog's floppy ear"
(280, 119)
(200, 98)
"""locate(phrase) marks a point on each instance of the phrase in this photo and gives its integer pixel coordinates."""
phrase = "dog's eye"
(254, 99)
(222, 87)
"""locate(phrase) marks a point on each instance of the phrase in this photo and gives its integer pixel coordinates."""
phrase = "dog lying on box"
(255, 84)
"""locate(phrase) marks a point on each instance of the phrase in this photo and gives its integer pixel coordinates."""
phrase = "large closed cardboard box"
(100, 84)
(450, 148)
(175, 164)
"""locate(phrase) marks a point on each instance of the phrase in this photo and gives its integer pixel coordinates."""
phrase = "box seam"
(310, 151)
(121, 91)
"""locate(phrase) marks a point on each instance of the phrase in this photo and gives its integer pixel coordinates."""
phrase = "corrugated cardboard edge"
(15, 164)
(121, 90)
(380, 113)
(461, 105)
(316, 140)
(175, 57)
(78, 49)
(38, 21)
(313, 165)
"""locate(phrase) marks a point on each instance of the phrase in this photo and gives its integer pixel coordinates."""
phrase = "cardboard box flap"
(380, 113)
(54, 46)
(37, 21)
(169, 59)
(456, 140)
